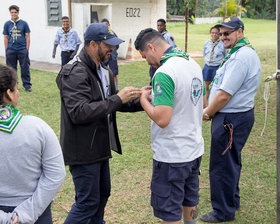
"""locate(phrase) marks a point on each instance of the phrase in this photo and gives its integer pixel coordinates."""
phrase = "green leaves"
(229, 8)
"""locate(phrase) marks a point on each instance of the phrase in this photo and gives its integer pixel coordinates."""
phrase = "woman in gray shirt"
(31, 163)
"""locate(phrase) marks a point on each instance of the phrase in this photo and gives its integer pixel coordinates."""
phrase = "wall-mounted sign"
(133, 12)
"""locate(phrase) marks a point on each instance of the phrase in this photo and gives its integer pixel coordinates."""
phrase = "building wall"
(127, 18)
(205, 20)
(34, 12)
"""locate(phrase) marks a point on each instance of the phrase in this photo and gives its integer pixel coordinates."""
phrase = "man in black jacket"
(88, 122)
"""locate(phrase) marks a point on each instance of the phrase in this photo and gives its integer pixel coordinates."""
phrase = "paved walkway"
(50, 67)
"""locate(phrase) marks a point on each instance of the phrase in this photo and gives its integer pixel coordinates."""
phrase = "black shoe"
(28, 89)
(210, 218)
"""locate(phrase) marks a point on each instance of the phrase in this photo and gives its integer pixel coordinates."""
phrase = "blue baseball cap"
(232, 23)
(101, 32)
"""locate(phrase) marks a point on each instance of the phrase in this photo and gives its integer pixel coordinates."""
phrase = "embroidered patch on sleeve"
(196, 90)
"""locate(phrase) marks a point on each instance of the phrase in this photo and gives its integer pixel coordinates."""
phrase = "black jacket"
(88, 120)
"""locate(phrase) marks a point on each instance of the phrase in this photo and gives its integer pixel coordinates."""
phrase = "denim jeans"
(92, 188)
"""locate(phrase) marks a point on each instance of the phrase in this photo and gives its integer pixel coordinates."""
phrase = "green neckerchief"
(9, 118)
(214, 44)
(15, 29)
(175, 52)
(241, 43)
(244, 42)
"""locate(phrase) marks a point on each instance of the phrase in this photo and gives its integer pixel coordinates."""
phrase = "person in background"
(231, 108)
(31, 163)
(176, 130)
(89, 102)
(17, 42)
(161, 27)
(214, 53)
(68, 40)
(113, 60)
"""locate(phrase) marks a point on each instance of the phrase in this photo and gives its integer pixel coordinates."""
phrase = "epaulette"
(66, 71)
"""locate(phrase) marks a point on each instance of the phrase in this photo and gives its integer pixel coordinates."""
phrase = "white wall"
(34, 12)
(127, 18)
(207, 20)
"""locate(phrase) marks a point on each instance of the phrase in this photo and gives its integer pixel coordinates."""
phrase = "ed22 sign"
(132, 12)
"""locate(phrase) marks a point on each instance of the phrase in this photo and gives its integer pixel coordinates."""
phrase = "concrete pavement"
(50, 67)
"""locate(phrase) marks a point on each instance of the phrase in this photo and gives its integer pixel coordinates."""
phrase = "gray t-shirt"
(31, 169)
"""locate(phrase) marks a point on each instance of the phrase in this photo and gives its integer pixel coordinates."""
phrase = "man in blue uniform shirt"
(231, 107)
(113, 60)
(17, 41)
(68, 40)
(161, 27)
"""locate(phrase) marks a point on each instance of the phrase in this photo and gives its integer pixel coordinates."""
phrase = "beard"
(103, 56)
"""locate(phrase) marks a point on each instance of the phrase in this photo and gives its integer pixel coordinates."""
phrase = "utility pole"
(195, 8)
(187, 27)
(278, 108)
(225, 8)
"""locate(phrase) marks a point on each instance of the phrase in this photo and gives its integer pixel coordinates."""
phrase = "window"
(54, 12)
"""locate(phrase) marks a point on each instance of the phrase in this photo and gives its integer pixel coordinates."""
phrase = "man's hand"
(146, 93)
(205, 116)
(15, 220)
(129, 93)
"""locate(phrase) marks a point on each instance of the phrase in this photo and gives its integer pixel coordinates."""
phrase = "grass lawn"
(131, 172)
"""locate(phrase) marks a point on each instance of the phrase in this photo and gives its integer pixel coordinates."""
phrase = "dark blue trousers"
(224, 170)
(12, 57)
(92, 188)
(45, 218)
(65, 57)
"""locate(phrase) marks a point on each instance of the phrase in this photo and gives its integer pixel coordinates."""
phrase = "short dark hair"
(145, 36)
(86, 43)
(8, 80)
(105, 20)
(161, 20)
(64, 17)
(215, 27)
(14, 7)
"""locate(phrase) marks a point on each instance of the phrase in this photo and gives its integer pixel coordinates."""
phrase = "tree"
(229, 8)
(259, 9)
(178, 7)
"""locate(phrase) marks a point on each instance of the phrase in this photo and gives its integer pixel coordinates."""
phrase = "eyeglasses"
(227, 33)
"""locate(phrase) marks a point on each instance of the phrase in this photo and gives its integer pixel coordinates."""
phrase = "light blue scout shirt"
(104, 81)
(16, 32)
(68, 41)
(169, 38)
(214, 52)
(240, 77)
